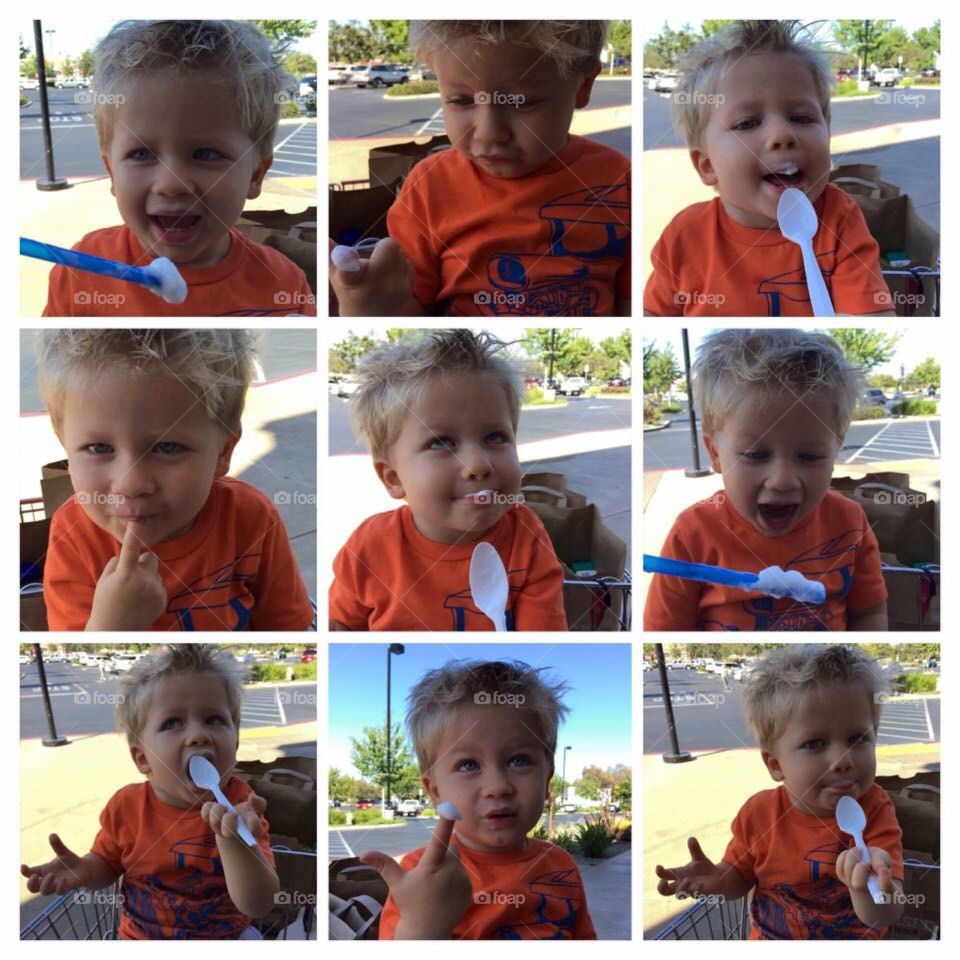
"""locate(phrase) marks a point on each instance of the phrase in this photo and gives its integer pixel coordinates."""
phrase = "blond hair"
(138, 684)
(795, 361)
(778, 683)
(242, 58)
(573, 45)
(433, 703)
(217, 366)
(392, 375)
(702, 67)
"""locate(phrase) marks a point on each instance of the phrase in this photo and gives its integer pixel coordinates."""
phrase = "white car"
(887, 77)
(568, 807)
(572, 386)
(122, 662)
(29, 83)
(24, 658)
(71, 83)
(378, 75)
(337, 73)
(408, 808)
(347, 387)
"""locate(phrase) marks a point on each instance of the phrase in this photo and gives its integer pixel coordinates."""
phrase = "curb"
(653, 428)
(363, 826)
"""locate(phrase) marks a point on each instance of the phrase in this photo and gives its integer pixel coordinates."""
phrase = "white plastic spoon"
(204, 774)
(798, 223)
(488, 583)
(851, 819)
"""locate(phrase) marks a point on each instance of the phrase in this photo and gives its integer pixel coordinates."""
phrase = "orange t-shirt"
(553, 243)
(173, 883)
(234, 570)
(533, 894)
(252, 280)
(389, 576)
(707, 265)
(834, 545)
(791, 856)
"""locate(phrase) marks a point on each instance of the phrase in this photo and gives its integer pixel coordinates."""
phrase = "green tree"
(85, 64)
(393, 38)
(710, 27)
(660, 370)
(351, 42)
(861, 38)
(928, 40)
(28, 66)
(281, 33)
(569, 349)
(368, 753)
(300, 64)
(926, 374)
(587, 788)
(619, 36)
(338, 784)
(866, 348)
(344, 354)
(619, 348)
(664, 50)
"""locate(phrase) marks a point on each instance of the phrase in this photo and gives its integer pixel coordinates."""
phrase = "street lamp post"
(397, 649)
(50, 182)
(564, 776)
(696, 470)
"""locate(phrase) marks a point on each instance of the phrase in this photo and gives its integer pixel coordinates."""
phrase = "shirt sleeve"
(67, 589)
(869, 589)
(658, 295)
(738, 853)
(58, 293)
(884, 831)
(857, 285)
(408, 222)
(539, 605)
(238, 790)
(672, 602)
(106, 845)
(344, 603)
(282, 600)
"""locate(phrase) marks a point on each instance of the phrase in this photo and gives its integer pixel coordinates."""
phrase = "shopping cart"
(609, 594)
(915, 290)
(95, 914)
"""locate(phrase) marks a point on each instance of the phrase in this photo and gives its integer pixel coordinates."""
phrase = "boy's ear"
(140, 760)
(226, 452)
(712, 453)
(389, 478)
(773, 765)
(428, 785)
(106, 162)
(703, 166)
(586, 87)
(256, 178)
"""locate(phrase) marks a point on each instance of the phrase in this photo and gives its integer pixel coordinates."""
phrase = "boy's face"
(506, 107)
(827, 749)
(492, 764)
(181, 166)
(457, 440)
(189, 714)
(768, 119)
(142, 450)
(776, 454)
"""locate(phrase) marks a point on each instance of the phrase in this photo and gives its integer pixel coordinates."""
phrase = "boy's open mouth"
(175, 228)
(777, 516)
(784, 176)
(500, 819)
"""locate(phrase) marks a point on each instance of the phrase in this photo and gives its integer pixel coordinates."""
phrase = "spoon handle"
(819, 298)
(873, 881)
(242, 828)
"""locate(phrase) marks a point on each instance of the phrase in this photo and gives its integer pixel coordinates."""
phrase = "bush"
(267, 672)
(534, 395)
(670, 408)
(846, 88)
(919, 682)
(650, 413)
(336, 818)
(367, 816)
(914, 407)
(289, 108)
(413, 88)
(305, 671)
(564, 839)
(623, 390)
(428, 812)
(869, 413)
(593, 837)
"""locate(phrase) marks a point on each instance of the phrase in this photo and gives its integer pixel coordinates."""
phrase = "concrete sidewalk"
(701, 798)
(609, 890)
(64, 216)
(277, 454)
(667, 493)
(64, 789)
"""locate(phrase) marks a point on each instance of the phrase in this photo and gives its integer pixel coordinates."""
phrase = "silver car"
(379, 75)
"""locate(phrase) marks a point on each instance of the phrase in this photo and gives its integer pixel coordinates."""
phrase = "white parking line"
(425, 126)
(933, 443)
(869, 442)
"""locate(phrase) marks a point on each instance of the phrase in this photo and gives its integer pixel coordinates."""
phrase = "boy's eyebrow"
(750, 103)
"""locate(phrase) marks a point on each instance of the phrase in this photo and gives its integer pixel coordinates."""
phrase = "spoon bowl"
(852, 820)
(798, 223)
(488, 584)
(204, 774)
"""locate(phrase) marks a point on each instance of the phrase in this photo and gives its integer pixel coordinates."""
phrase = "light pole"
(397, 649)
(564, 775)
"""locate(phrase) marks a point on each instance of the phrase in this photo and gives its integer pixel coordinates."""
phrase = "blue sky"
(597, 728)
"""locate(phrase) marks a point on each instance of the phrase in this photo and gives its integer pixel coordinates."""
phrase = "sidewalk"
(667, 493)
(64, 216)
(596, 463)
(276, 454)
(63, 789)
(609, 892)
(701, 798)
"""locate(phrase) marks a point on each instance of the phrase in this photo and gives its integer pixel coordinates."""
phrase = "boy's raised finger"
(439, 843)
(129, 550)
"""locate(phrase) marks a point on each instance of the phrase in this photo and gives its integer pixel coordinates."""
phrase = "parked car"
(408, 808)
(875, 397)
(122, 662)
(617, 382)
(309, 655)
(843, 74)
(887, 77)
(337, 73)
(24, 658)
(29, 83)
(346, 387)
(71, 83)
(365, 803)
(307, 86)
(613, 807)
(665, 83)
(929, 72)
(420, 72)
(572, 386)
(379, 75)
(568, 807)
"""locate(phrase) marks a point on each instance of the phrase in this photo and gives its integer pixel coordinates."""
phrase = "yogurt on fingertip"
(448, 811)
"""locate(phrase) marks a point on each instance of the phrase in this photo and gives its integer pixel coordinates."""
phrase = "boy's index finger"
(439, 841)
(129, 550)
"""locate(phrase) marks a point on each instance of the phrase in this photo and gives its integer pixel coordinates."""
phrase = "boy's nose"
(474, 462)
(134, 480)
(782, 476)
(173, 179)
(780, 134)
(496, 783)
(489, 127)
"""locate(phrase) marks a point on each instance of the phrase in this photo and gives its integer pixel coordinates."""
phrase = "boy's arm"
(875, 618)
(251, 880)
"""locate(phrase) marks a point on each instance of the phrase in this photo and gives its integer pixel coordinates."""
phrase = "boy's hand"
(380, 286)
(433, 896)
(130, 594)
(852, 872)
(698, 877)
(64, 873)
(224, 824)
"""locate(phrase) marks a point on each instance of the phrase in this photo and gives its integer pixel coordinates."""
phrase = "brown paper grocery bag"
(386, 164)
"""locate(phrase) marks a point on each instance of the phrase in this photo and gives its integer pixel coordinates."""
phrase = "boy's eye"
(812, 457)
(520, 760)
(813, 744)
(467, 766)
(441, 443)
(215, 717)
(498, 436)
(753, 455)
(98, 449)
(168, 447)
(207, 153)
(169, 723)
(747, 124)
(140, 153)
(801, 118)
(461, 101)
